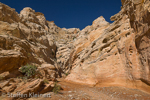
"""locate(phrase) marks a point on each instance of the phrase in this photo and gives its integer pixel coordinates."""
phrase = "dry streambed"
(80, 92)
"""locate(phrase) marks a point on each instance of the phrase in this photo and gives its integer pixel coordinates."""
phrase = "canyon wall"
(116, 54)
(103, 54)
(28, 38)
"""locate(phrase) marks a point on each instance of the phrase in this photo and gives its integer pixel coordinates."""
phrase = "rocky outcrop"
(17, 86)
(26, 40)
(102, 54)
(29, 38)
(115, 54)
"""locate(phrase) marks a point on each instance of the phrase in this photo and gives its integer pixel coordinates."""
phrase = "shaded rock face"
(29, 38)
(117, 53)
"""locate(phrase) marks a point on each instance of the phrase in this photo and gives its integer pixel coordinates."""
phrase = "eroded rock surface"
(102, 54)
(115, 54)
(29, 38)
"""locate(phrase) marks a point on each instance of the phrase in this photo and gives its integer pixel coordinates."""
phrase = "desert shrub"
(29, 54)
(74, 38)
(66, 74)
(1, 77)
(45, 81)
(56, 88)
(28, 70)
(24, 79)
(41, 56)
(60, 56)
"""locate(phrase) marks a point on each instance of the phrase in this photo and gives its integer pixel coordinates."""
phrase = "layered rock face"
(24, 37)
(102, 54)
(117, 53)
(29, 38)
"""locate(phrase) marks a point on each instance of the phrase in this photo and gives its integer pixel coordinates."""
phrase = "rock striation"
(103, 54)
(29, 38)
(115, 54)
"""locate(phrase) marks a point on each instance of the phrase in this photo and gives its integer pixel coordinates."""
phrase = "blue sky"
(69, 13)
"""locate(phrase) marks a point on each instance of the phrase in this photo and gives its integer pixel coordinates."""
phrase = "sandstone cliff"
(102, 54)
(29, 38)
(117, 53)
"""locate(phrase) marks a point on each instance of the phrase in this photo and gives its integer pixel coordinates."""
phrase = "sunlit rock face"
(102, 54)
(28, 38)
(115, 54)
